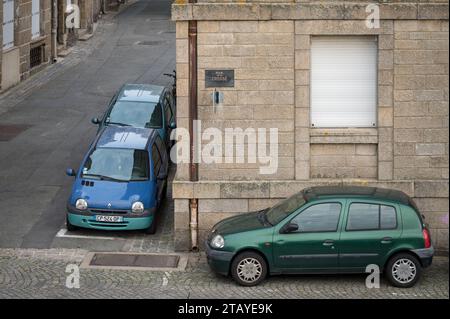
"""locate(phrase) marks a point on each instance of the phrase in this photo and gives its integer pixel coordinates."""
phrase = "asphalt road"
(137, 45)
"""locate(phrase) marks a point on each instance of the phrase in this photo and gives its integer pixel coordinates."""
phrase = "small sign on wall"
(219, 78)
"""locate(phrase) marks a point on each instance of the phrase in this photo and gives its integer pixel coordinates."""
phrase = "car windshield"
(281, 210)
(136, 114)
(117, 164)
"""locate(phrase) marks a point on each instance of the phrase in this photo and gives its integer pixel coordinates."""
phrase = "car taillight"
(426, 238)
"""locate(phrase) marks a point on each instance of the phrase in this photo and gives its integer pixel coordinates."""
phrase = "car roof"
(140, 93)
(125, 137)
(377, 193)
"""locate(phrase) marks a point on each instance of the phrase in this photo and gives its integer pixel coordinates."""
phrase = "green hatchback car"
(330, 229)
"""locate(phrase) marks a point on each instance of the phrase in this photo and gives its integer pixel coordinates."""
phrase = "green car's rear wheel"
(403, 270)
(249, 268)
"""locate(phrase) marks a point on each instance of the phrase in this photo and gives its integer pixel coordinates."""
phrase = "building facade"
(356, 101)
(26, 39)
(26, 33)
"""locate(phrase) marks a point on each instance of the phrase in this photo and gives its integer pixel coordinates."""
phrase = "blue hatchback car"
(121, 181)
(142, 106)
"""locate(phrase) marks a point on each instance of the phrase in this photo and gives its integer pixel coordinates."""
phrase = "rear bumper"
(218, 260)
(425, 255)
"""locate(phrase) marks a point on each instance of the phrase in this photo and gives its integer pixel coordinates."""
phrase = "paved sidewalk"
(28, 273)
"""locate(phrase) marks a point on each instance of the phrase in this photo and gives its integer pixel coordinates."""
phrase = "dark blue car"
(121, 181)
(142, 106)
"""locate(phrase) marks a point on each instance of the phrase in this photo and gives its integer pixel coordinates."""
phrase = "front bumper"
(218, 260)
(425, 255)
(86, 219)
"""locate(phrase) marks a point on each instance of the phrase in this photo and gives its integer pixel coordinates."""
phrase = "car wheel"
(69, 226)
(403, 270)
(249, 269)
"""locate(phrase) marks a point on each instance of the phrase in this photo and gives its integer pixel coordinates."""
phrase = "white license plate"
(109, 219)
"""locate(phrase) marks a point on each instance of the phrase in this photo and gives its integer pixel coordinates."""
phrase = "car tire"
(249, 269)
(403, 270)
(152, 229)
(69, 226)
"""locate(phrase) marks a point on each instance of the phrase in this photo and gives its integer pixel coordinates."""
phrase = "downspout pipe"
(193, 167)
(54, 30)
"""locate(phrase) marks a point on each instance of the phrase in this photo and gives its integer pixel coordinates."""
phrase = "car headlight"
(81, 204)
(137, 207)
(217, 242)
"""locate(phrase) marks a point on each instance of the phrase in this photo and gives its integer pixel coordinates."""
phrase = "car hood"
(121, 195)
(239, 223)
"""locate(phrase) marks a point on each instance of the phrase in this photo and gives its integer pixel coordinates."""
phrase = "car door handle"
(386, 240)
(328, 242)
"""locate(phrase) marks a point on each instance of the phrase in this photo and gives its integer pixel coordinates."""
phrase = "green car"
(330, 229)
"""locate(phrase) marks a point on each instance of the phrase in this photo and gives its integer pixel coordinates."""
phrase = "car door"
(314, 246)
(369, 233)
(157, 164)
(168, 119)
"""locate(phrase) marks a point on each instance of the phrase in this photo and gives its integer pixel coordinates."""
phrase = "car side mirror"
(289, 228)
(95, 120)
(172, 125)
(70, 172)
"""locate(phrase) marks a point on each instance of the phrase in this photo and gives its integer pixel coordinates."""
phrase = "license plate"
(109, 219)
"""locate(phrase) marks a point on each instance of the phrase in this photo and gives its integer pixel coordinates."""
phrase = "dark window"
(319, 218)
(116, 164)
(363, 217)
(168, 111)
(136, 114)
(156, 160)
(388, 217)
(371, 217)
(160, 145)
(36, 56)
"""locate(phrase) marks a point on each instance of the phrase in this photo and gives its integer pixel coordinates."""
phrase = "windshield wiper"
(118, 123)
(104, 178)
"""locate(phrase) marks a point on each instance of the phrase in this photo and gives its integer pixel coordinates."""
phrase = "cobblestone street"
(41, 274)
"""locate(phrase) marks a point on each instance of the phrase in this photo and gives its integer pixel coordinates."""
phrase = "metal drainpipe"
(193, 168)
(54, 30)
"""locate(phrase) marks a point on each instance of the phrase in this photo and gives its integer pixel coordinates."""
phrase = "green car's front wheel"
(249, 268)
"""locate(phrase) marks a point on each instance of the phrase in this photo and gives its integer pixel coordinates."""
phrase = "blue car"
(143, 106)
(121, 181)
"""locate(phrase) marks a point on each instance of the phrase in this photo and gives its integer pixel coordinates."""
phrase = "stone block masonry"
(268, 45)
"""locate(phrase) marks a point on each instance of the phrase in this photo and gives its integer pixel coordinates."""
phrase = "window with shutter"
(343, 81)
(8, 24)
(35, 19)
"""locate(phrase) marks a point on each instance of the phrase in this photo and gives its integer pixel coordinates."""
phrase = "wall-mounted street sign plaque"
(219, 78)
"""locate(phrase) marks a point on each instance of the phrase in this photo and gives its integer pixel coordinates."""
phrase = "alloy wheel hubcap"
(404, 270)
(249, 270)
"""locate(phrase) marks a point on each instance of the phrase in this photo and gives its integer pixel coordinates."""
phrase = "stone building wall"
(267, 43)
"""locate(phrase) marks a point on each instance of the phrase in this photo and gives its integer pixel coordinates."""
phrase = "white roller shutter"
(35, 19)
(8, 24)
(343, 81)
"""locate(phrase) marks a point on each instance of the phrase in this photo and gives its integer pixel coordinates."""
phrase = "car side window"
(388, 217)
(160, 145)
(156, 160)
(364, 216)
(168, 110)
(318, 218)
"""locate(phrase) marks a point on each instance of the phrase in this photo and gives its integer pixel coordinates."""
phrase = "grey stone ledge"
(344, 136)
(307, 11)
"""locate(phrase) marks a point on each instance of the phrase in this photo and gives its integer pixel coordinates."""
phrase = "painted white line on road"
(63, 233)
